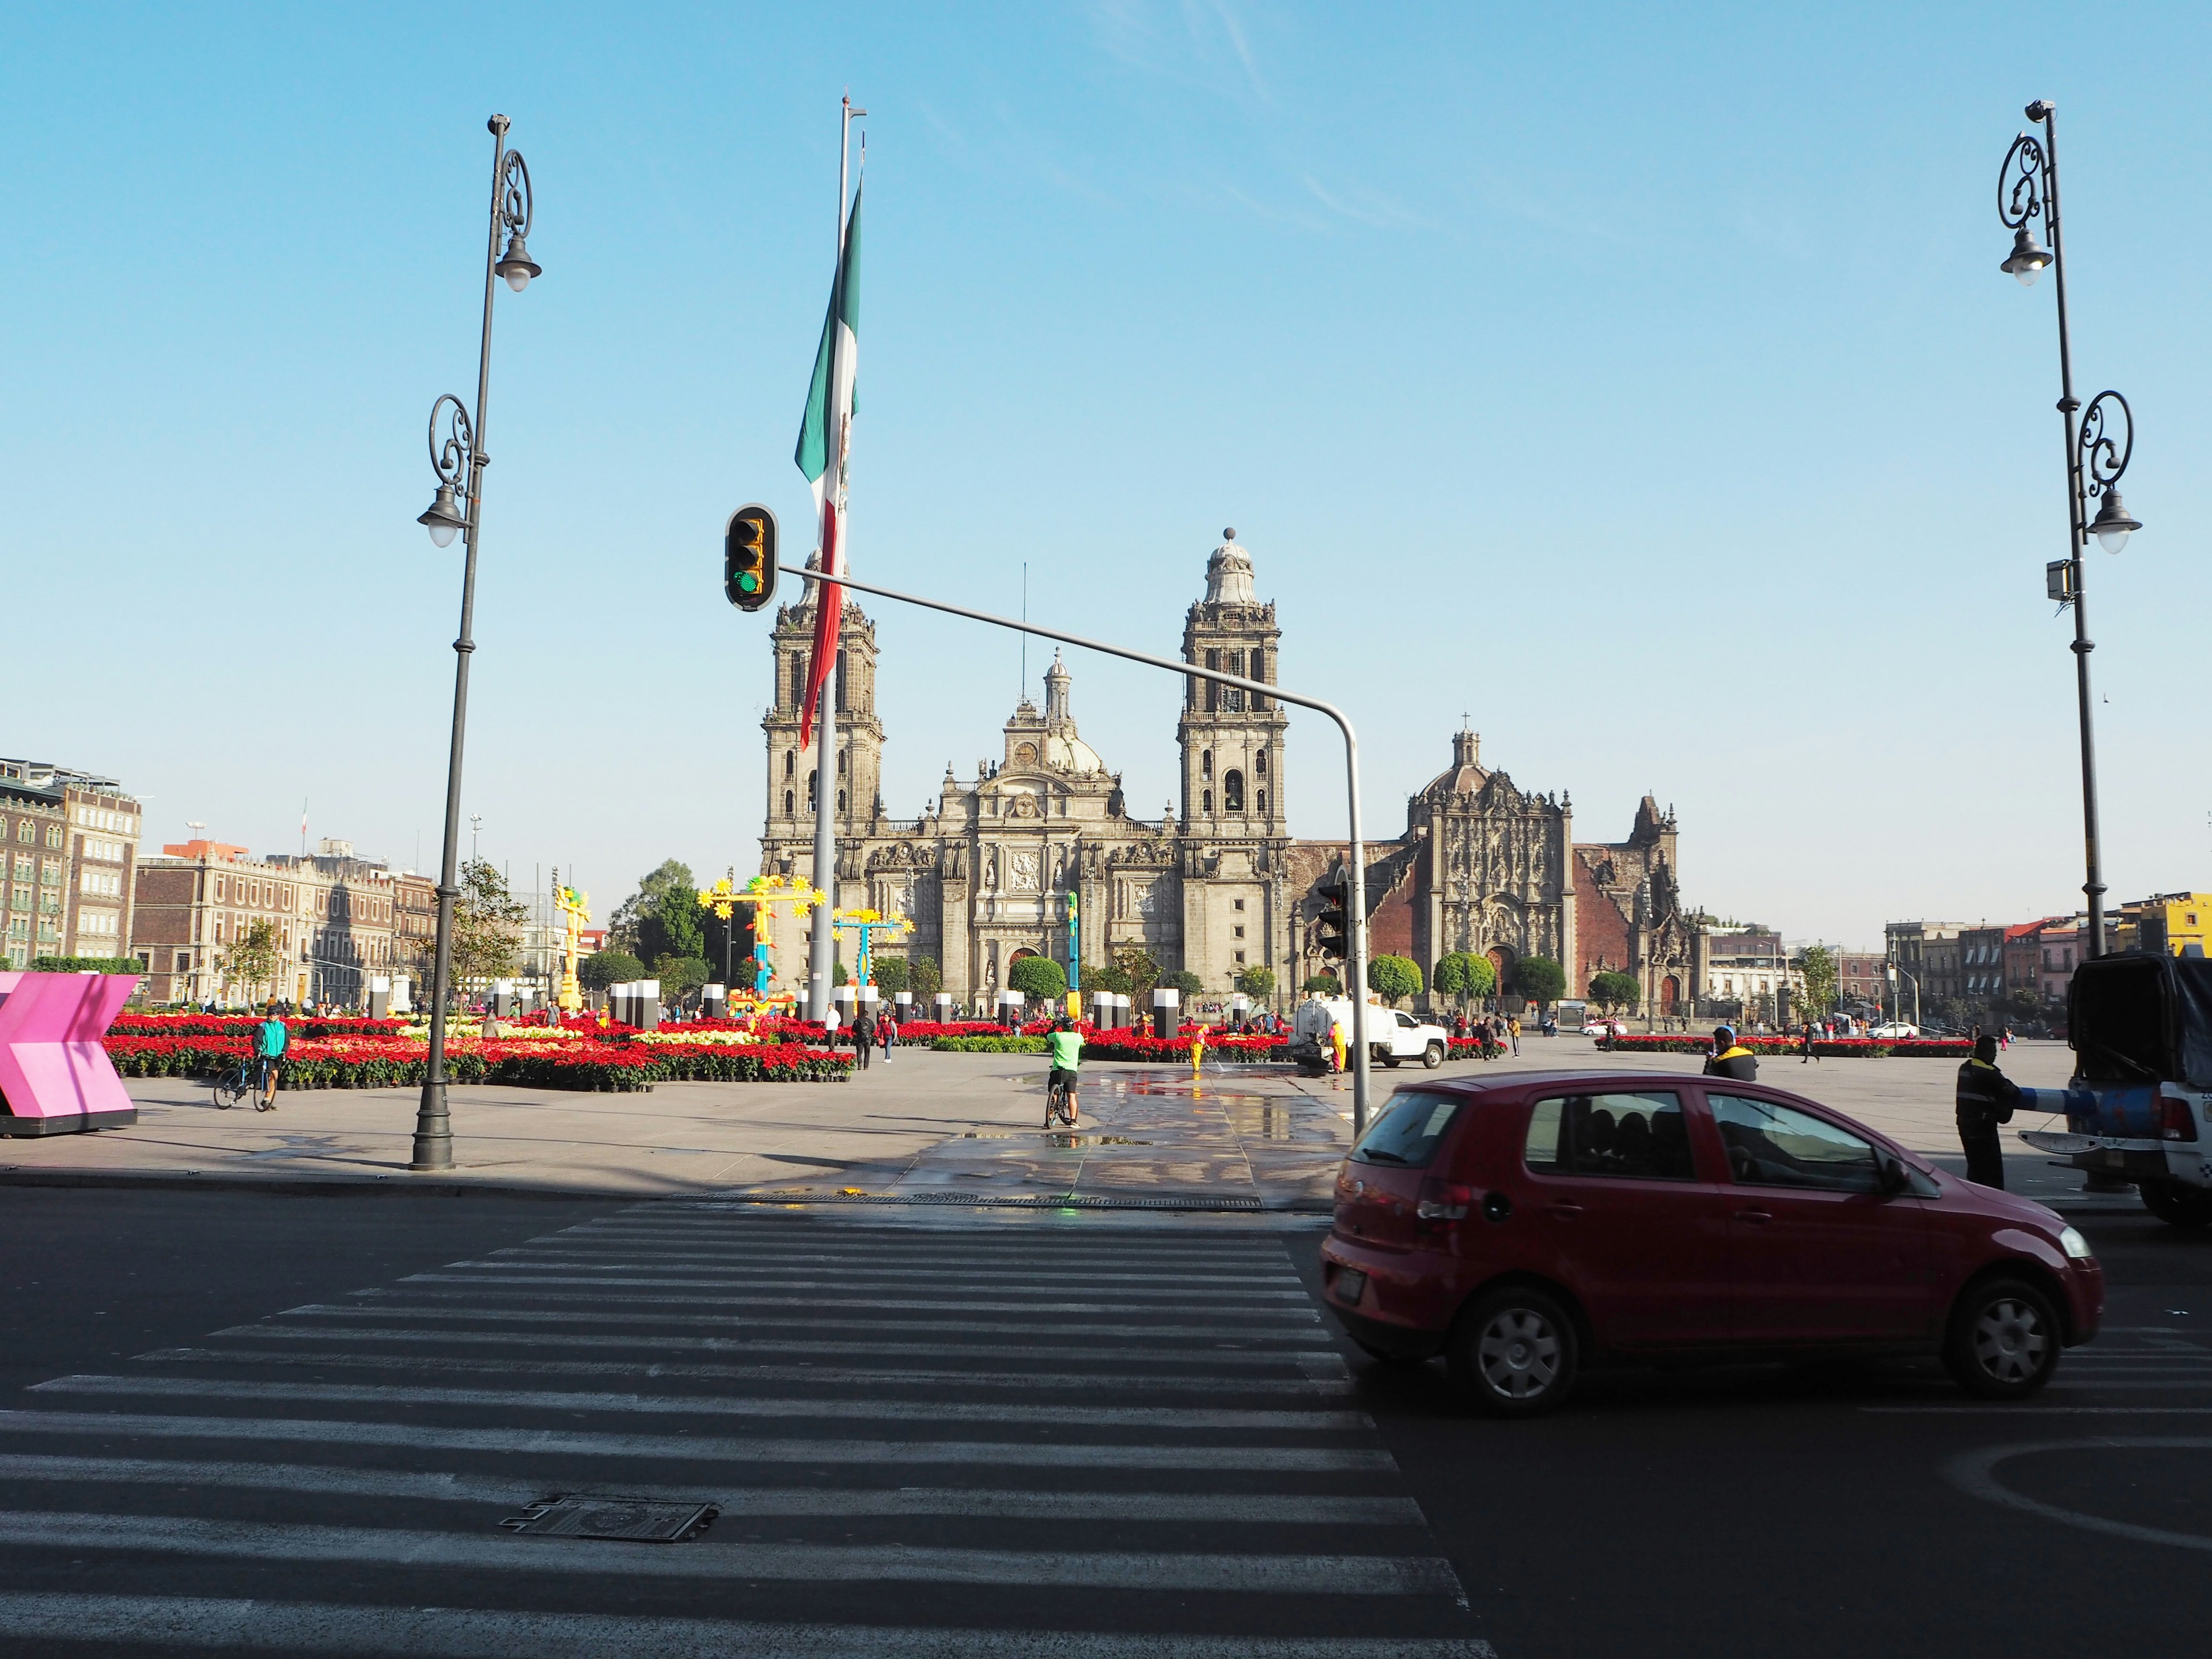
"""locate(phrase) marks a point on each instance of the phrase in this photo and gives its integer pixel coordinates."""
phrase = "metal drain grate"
(640, 1520)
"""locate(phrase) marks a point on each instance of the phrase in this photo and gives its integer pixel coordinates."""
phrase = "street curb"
(305, 1187)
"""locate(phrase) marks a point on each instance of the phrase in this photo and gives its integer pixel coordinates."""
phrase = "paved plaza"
(925, 1126)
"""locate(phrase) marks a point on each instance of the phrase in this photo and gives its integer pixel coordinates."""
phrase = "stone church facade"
(1219, 886)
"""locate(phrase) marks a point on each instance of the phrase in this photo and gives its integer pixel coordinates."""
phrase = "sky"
(1637, 382)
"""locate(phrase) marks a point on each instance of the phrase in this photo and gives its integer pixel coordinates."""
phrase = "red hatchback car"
(1525, 1227)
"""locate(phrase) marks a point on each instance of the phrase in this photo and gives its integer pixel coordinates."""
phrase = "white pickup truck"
(1393, 1036)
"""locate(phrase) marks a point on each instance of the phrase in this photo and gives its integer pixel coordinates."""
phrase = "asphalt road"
(237, 1422)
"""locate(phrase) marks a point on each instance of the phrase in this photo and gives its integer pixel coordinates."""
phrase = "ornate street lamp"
(458, 459)
(2097, 453)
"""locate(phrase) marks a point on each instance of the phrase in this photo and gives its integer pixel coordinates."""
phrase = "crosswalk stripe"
(680, 1448)
(588, 1273)
(1039, 1304)
(1274, 1575)
(1165, 1325)
(701, 1261)
(1028, 1382)
(1284, 1508)
(322, 1627)
(1078, 1415)
(1179, 1354)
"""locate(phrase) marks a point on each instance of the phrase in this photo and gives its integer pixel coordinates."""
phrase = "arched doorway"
(1670, 996)
(1501, 964)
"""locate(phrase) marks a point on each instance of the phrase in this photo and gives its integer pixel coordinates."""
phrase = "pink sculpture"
(55, 1075)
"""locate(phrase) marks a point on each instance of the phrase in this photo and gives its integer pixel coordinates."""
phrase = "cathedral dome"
(1229, 573)
(1065, 752)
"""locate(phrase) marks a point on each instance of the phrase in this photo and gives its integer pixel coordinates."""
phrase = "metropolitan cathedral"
(1221, 885)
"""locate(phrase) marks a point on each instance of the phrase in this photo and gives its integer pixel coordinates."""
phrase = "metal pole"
(2077, 522)
(822, 950)
(1355, 903)
(434, 1131)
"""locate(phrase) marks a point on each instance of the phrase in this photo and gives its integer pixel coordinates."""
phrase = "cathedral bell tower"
(1232, 740)
(791, 779)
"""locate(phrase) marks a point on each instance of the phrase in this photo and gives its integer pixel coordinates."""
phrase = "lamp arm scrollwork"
(452, 455)
(2021, 183)
(2108, 442)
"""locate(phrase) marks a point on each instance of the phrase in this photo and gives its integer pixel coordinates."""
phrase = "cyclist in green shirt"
(1065, 1045)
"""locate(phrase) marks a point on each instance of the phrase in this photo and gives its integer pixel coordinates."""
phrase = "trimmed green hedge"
(989, 1045)
(87, 965)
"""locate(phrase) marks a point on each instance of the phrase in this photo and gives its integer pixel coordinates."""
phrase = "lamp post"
(458, 460)
(2097, 451)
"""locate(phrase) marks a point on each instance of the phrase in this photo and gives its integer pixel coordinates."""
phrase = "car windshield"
(1407, 1131)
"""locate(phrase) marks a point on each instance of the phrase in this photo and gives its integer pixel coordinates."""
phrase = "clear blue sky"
(1638, 379)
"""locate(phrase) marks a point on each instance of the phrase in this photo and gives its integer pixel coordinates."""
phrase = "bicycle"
(1060, 1102)
(234, 1083)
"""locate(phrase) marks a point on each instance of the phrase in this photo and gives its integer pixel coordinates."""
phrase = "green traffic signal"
(749, 557)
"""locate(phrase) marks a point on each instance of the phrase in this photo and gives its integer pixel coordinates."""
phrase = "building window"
(1260, 764)
(809, 791)
(1205, 801)
(1239, 903)
(54, 836)
(788, 807)
(26, 832)
(1260, 800)
(1232, 791)
(790, 761)
(1205, 763)
(1240, 933)
(842, 756)
(841, 802)
(1240, 959)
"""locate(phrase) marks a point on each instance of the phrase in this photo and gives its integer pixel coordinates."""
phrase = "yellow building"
(2168, 923)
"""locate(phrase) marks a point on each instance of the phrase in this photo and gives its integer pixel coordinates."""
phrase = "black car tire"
(1515, 1352)
(1391, 1060)
(2004, 1340)
(1433, 1055)
(2176, 1205)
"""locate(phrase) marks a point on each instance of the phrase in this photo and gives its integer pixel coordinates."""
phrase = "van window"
(1635, 1137)
(1407, 1131)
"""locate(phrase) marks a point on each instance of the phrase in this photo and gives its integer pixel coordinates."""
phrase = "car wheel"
(1388, 1357)
(1391, 1060)
(1433, 1055)
(1515, 1352)
(2176, 1205)
(2004, 1340)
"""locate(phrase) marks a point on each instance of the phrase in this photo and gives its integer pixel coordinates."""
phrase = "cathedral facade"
(1219, 886)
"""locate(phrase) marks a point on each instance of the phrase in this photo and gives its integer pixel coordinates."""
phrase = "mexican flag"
(825, 453)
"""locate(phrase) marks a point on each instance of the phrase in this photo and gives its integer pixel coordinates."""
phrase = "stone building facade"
(1218, 885)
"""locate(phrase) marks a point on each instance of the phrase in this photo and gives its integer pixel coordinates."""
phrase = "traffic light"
(749, 557)
(1330, 928)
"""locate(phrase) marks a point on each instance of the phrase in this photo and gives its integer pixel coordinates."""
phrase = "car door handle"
(1564, 1212)
(1756, 1218)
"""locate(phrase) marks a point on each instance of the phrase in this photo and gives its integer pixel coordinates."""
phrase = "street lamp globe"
(443, 517)
(2113, 524)
(517, 266)
(2028, 259)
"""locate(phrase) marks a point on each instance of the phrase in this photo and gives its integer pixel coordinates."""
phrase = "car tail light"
(2177, 1122)
(1441, 1204)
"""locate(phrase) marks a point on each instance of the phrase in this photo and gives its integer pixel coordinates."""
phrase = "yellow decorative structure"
(867, 924)
(764, 893)
(575, 909)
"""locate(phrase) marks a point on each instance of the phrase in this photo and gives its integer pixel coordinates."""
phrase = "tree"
(1184, 980)
(1818, 965)
(1038, 976)
(1325, 984)
(890, 974)
(1144, 973)
(1394, 978)
(487, 926)
(680, 976)
(1539, 979)
(1610, 990)
(252, 961)
(1466, 976)
(1257, 981)
(623, 928)
(676, 927)
(604, 968)
(924, 977)
(1112, 976)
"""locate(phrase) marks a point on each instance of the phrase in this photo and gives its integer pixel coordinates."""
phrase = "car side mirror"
(1889, 1176)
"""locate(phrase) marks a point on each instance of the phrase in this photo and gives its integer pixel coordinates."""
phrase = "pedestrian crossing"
(1026, 1437)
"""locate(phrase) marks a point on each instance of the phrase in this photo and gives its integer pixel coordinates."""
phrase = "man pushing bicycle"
(1066, 1047)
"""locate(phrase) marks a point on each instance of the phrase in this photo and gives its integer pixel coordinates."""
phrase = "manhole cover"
(642, 1520)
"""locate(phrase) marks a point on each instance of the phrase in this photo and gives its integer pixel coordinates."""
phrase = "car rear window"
(1407, 1131)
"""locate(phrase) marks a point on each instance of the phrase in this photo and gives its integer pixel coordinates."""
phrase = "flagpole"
(821, 951)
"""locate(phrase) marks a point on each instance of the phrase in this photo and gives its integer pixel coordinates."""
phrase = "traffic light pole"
(1355, 912)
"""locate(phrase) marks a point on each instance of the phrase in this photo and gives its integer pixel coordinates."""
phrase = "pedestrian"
(1487, 1037)
(1807, 1034)
(1513, 1031)
(1730, 1059)
(864, 1036)
(1985, 1099)
(887, 1033)
(1336, 1045)
(270, 1039)
(2004, 1038)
